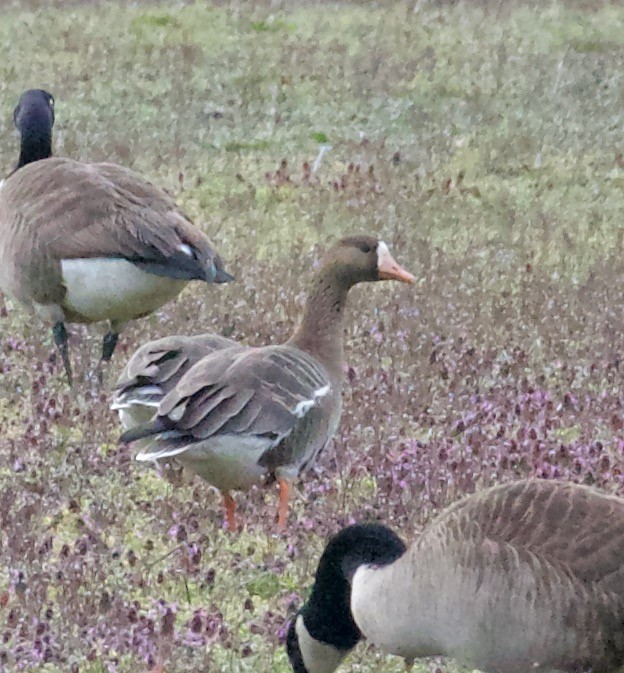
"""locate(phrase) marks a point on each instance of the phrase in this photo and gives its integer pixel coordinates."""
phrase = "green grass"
(495, 133)
(213, 92)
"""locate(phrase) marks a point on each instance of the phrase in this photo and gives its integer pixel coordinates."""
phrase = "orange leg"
(230, 509)
(282, 511)
(159, 666)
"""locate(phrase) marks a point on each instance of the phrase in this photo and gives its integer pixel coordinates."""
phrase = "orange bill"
(388, 269)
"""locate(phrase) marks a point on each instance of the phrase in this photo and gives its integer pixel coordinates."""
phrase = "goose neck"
(36, 145)
(320, 329)
(326, 629)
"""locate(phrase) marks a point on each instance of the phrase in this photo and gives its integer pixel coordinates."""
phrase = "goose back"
(59, 211)
(243, 413)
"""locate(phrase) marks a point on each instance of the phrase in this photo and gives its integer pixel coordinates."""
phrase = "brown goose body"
(527, 576)
(85, 243)
(90, 242)
(244, 415)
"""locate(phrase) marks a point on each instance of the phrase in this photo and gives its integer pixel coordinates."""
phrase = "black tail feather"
(150, 429)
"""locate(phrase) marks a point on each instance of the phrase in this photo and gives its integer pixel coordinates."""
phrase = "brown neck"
(320, 330)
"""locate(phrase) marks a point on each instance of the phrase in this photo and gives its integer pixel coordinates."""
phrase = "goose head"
(324, 631)
(34, 119)
(358, 259)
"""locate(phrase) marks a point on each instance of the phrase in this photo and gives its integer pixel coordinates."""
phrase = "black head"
(364, 258)
(326, 617)
(362, 544)
(34, 119)
(34, 105)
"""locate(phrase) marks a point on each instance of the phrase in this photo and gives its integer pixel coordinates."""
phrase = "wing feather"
(573, 527)
(157, 366)
(64, 209)
(252, 392)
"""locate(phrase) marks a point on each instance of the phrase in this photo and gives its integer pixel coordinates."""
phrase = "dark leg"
(60, 339)
(108, 348)
(108, 345)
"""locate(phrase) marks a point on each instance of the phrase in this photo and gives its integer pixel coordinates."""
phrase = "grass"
(482, 140)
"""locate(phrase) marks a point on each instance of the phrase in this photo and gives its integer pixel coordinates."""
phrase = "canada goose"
(242, 415)
(527, 576)
(91, 242)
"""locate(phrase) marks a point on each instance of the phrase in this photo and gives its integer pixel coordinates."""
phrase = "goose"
(527, 576)
(85, 243)
(242, 416)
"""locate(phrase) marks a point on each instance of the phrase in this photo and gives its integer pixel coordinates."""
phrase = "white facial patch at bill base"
(383, 255)
(317, 657)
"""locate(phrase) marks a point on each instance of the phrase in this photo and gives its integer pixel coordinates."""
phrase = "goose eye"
(365, 248)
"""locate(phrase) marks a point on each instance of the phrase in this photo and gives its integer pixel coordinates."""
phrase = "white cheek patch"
(318, 657)
(305, 405)
(383, 254)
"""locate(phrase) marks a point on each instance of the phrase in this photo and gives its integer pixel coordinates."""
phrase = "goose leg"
(230, 508)
(60, 339)
(108, 345)
(159, 666)
(108, 348)
(282, 510)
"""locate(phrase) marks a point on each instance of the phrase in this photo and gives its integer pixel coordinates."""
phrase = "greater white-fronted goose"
(527, 576)
(87, 243)
(243, 415)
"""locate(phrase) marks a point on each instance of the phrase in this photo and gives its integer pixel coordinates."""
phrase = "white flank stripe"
(177, 412)
(155, 456)
(321, 392)
(186, 249)
(123, 401)
(305, 405)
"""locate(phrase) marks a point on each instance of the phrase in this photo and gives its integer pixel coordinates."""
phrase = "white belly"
(113, 289)
(227, 462)
(135, 415)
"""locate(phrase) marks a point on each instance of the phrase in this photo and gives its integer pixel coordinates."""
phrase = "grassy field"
(482, 140)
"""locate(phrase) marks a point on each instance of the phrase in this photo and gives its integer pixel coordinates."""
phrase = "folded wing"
(157, 366)
(254, 394)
